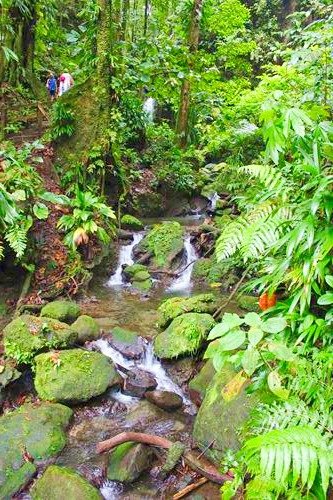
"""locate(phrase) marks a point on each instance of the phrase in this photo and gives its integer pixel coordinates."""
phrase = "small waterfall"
(125, 258)
(149, 108)
(183, 282)
(111, 490)
(214, 198)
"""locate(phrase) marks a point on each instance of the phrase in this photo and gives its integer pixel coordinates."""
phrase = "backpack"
(52, 84)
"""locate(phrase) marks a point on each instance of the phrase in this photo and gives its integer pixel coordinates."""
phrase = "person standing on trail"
(65, 82)
(51, 86)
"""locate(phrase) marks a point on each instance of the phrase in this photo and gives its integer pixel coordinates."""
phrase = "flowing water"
(149, 108)
(214, 198)
(183, 282)
(125, 258)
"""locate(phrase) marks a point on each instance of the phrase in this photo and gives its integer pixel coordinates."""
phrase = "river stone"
(176, 306)
(27, 335)
(62, 483)
(145, 417)
(165, 399)
(131, 271)
(185, 335)
(73, 376)
(198, 385)
(36, 429)
(141, 276)
(128, 461)
(87, 328)
(62, 310)
(138, 382)
(143, 286)
(220, 420)
(128, 343)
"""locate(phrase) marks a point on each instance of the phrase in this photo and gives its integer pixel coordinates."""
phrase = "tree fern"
(292, 456)
(16, 236)
(270, 176)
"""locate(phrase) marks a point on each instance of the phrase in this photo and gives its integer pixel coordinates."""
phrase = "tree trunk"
(185, 98)
(145, 23)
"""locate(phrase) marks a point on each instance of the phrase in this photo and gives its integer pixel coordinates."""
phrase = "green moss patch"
(62, 310)
(87, 328)
(131, 222)
(174, 307)
(165, 242)
(128, 461)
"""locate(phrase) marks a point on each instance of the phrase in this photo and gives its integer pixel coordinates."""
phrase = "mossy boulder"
(131, 222)
(143, 286)
(164, 242)
(62, 310)
(128, 461)
(131, 271)
(198, 385)
(73, 376)
(248, 303)
(210, 271)
(63, 483)
(8, 373)
(127, 342)
(142, 276)
(139, 277)
(223, 414)
(176, 306)
(38, 429)
(86, 328)
(27, 335)
(185, 335)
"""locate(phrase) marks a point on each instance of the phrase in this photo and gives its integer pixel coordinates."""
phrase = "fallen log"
(191, 487)
(201, 465)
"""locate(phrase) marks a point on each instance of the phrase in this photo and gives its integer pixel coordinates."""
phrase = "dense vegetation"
(244, 102)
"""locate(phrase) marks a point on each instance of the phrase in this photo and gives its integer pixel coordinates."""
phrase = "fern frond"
(1, 250)
(16, 236)
(270, 176)
(293, 455)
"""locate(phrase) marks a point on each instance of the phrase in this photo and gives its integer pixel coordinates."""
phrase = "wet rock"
(223, 413)
(176, 306)
(131, 222)
(185, 335)
(8, 373)
(146, 417)
(173, 456)
(131, 271)
(62, 310)
(62, 482)
(210, 271)
(128, 343)
(87, 328)
(27, 335)
(138, 382)
(198, 385)
(128, 461)
(73, 376)
(37, 430)
(139, 276)
(143, 286)
(248, 303)
(94, 429)
(165, 399)
(180, 370)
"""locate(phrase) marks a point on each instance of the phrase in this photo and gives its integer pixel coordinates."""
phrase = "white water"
(149, 363)
(125, 258)
(111, 490)
(149, 108)
(183, 282)
(213, 201)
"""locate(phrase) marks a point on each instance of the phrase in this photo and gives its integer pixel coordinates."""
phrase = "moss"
(38, 429)
(124, 336)
(165, 242)
(62, 310)
(131, 271)
(87, 328)
(200, 382)
(128, 461)
(143, 286)
(27, 335)
(174, 454)
(211, 271)
(174, 307)
(62, 482)
(131, 222)
(73, 376)
(142, 276)
(185, 335)
(248, 303)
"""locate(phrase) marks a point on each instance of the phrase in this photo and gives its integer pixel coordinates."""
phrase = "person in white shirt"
(66, 81)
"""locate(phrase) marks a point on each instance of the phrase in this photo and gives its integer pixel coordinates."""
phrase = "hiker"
(65, 82)
(51, 86)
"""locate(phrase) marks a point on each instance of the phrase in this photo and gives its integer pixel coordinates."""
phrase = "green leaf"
(41, 211)
(329, 280)
(281, 351)
(255, 335)
(253, 319)
(250, 361)
(229, 321)
(275, 385)
(19, 195)
(274, 325)
(233, 340)
(57, 199)
(326, 299)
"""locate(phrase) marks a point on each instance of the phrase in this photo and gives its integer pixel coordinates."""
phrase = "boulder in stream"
(138, 382)
(128, 343)
(37, 430)
(185, 335)
(199, 384)
(131, 222)
(73, 376)
(176, 306)
(62, 310)
(63, 482)
(27, 335)
(127, 462)
(87, 328)
(165, 399)
(139, 277)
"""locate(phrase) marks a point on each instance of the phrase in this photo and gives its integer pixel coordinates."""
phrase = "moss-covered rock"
(8, 373)
(27, 335)
(165, 243)
(142, 276)
(173, 456)
(223, 413)
(86, 328)
(128, 461)
(62, 482)
(73, 376)
(139, 276)
(185, 335)
(131, 222)
(248, 303)
(131, 271)
(210, 271)
(127, 342)
(176, 306)
(62, 310)
(38, 429)
(198, 385)
(143, 286)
